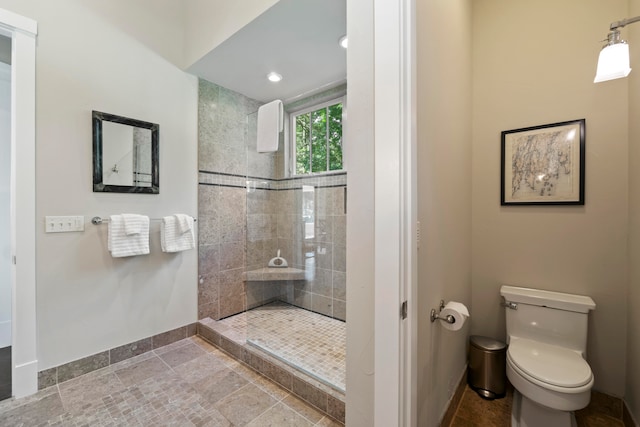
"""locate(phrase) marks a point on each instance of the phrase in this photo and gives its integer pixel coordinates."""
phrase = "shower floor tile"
(309, 341)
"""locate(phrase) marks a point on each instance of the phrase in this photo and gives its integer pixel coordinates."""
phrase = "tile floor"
(187, 383)
(474, 411)
(301, 338)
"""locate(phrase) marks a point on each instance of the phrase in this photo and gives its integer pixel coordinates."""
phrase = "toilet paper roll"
(459, 312)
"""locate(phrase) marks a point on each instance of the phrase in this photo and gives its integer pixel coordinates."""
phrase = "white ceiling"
(295, 38)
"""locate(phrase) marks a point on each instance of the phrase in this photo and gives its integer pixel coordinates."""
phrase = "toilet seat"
(549, 366)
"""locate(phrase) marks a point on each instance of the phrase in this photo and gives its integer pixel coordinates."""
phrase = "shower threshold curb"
(324, 398)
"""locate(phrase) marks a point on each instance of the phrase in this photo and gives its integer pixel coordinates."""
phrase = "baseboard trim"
(627, 418)
(23, 381)
(455, 400)
(58, 374)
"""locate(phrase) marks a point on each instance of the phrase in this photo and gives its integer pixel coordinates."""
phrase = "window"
(317, 139)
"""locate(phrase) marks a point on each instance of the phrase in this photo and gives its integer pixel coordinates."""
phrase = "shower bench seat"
(268, 274)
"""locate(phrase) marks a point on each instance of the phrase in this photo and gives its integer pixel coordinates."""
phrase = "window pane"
(335, 137)
(319, 140)
(302, 144)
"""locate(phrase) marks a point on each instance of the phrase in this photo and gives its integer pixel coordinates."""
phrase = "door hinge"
(403, 310)
(14, 260)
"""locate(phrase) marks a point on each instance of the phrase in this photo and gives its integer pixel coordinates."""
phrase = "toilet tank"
(551, 317)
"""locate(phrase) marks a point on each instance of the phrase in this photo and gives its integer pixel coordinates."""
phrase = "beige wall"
(86, 59)
(534, 63)
(210, 22)
(632, 394)
(444, 195)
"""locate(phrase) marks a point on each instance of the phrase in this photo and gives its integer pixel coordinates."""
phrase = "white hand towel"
(270, 124)
(122, 245)
(133, 223)
(185, 223)
(173, 241)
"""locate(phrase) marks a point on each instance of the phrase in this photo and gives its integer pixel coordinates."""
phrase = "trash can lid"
(486, 343)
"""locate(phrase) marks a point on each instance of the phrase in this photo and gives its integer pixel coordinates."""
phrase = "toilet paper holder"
(435, 315)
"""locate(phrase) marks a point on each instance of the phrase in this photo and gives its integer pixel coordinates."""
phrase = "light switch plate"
(63, 224)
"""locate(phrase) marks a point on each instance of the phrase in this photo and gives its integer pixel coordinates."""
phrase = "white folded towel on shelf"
(122, 245)
(171, 239)
(270, 124)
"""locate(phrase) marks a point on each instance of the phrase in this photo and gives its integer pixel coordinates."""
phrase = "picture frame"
(543, 165)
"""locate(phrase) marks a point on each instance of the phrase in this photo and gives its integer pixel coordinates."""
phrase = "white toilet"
(547, 337)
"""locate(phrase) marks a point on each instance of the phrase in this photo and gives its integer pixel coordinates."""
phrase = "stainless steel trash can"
(487, 367)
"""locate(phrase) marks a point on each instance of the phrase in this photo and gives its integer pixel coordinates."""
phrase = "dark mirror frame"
(98, 144)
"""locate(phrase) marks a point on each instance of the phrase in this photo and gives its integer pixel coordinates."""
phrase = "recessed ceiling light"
(343, 41)
(274, 77)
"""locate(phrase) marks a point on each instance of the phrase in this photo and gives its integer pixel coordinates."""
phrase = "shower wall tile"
(340, 258)
(261, 227)
(232, 107)
(270, 249)
(324, 256)
(229, 159)
(232, 292)
(324, 228)
(258, 202)
(231, 255)
(302, 299)
(255, 297)
(321, 282)
(340, 230)
(209, 201)
(208, 231)
(208, 310)
(279, 166)
(322, 305)
(340, 309)
(255, 254)
(260, 165)
(209, 260)
(208, 289)
(339, 200)
(339, 285)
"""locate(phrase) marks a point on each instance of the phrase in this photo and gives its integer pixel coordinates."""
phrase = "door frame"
(23, 32)
(395, 178)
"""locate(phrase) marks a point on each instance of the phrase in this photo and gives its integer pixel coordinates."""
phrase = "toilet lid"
(549, 363)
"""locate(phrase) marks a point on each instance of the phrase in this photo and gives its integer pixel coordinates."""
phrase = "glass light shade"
(613, 62)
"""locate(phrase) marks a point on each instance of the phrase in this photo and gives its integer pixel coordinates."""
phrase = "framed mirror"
(125, 155)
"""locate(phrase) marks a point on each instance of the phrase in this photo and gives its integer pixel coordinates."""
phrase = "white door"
(22, 32)
(5, 220)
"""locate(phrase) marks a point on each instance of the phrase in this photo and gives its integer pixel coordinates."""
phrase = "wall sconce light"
(613, 62)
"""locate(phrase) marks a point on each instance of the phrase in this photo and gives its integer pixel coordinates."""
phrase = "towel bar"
(96, 220)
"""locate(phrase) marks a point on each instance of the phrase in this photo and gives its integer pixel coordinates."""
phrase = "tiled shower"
(248, 210)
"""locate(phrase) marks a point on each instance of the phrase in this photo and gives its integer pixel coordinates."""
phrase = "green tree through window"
(319, 140)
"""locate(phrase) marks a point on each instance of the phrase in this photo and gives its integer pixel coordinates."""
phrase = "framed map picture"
(543, 165)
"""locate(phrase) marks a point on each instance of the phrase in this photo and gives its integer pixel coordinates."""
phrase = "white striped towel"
(133, 223)
(121, 245)
(185, 223)
(171, 239)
